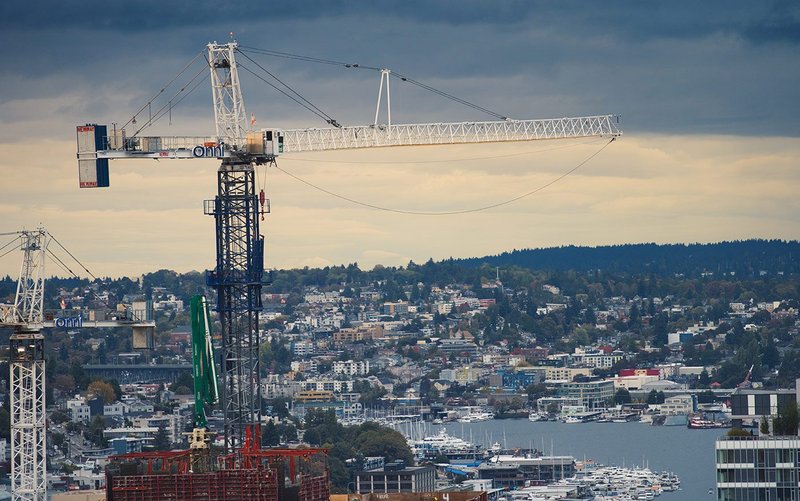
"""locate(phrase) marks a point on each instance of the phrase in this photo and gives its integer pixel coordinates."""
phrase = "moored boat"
(705, 424)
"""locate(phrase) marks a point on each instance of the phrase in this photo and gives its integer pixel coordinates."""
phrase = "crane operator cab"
(268, 142)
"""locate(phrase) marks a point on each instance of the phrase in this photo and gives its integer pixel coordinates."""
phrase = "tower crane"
(27, 365)
(238, 274)
(28, 446)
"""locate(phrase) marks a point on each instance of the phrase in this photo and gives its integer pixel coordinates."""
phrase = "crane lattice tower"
(28, 446)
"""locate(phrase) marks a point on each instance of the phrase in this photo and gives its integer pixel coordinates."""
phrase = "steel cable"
(454, 212)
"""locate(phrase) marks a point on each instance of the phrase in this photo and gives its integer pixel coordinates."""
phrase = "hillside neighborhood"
(437, 341)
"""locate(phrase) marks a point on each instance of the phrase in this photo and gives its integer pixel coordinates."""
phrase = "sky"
(707, 94)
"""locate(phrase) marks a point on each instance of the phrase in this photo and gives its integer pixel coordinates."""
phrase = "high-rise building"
(758, 468)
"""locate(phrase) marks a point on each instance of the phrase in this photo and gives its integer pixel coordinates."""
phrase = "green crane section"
(205, 373)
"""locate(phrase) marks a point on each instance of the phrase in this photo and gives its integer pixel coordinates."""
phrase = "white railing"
(159, 143)
(373, 136)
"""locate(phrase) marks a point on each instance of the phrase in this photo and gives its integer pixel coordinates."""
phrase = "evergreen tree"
(787, 421)
(622, 396)
(660, 329)
(161, 441)
(764, 428)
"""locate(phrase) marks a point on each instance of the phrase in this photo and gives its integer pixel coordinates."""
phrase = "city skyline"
(707, 99)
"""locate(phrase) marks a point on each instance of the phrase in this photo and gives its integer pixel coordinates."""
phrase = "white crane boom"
(375, 136)
(95, 148)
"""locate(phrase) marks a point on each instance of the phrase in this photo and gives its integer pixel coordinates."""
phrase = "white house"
(351, 367)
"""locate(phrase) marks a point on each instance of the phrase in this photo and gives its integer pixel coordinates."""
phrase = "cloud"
(681, 19)
(707, 92)
(681, 68)
(640, 189)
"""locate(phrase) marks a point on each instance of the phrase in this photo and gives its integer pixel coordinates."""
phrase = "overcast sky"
(708, 94)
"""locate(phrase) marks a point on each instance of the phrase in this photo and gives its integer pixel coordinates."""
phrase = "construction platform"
(250, 474)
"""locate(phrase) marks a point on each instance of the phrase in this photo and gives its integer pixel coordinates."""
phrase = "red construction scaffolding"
(250, 474)
(222, 485)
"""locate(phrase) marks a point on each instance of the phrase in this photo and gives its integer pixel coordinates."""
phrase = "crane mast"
(238, 274)
(238, 278)
(28, 446)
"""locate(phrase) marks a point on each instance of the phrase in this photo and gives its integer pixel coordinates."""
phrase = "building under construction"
(251, 474)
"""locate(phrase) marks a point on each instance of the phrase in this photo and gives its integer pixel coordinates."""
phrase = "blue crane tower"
(237, 278)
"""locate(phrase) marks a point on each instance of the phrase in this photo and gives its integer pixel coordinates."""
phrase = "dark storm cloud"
(677, 67)
(784, 30)
(758, 21)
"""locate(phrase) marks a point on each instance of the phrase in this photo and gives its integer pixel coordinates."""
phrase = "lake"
(687, 453)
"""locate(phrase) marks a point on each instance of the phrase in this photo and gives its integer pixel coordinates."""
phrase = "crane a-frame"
(238, 274)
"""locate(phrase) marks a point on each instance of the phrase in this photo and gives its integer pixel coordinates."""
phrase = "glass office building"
(758, 468)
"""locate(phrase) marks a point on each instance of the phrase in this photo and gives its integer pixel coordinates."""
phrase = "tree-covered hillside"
(744, 259)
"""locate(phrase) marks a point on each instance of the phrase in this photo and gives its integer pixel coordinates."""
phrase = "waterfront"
(687, 453)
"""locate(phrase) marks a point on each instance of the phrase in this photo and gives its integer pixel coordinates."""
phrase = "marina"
(538, 469)
(604, 483)
(688, 454)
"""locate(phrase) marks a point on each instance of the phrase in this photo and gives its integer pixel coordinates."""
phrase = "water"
(687, 453)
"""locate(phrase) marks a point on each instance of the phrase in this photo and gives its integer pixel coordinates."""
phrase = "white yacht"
(443, 444)
(475, 417)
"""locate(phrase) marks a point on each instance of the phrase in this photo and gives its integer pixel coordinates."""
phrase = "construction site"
(249, 473)
(227, 374)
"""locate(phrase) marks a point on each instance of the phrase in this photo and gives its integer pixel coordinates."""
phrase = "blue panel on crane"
(100, 133)
(102, 173)
(101, 143)
(257, 265)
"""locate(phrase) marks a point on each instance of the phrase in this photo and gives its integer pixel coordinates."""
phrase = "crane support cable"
(69, 270)
(164, 88)
(444, 94)
(63, 265)
(328, 118)
(72, 256)
(10, 242)
(312, 110)
(453, 212)
(11, 249)
(310, 59)
(404, 78)
(167, 108)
